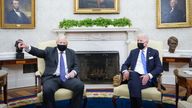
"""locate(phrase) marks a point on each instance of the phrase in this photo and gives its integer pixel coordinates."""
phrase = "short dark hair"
(14, 0)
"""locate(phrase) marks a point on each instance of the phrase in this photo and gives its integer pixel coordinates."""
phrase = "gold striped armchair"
(60, 94)
(151, 93)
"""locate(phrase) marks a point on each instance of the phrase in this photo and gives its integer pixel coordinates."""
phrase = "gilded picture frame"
(173, 13)
(18, 14)
(96, 6)
(0, 13)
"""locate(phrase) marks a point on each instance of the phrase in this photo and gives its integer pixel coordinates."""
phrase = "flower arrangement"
(101, 22)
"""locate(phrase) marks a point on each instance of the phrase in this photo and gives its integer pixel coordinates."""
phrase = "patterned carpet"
(26, 96)
(22, 102)
(91, 93)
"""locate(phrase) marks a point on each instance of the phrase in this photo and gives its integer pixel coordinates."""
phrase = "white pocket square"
(150, 58)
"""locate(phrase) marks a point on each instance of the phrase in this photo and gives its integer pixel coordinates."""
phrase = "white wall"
(49, 12)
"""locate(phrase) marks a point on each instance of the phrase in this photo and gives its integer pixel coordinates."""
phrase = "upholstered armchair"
(151, 93)
(183, 80)
(3, 86)
(185, 104)
(60, 94)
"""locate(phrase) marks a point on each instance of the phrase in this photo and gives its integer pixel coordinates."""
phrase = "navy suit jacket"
(176, 16)
(154, 65)
(13, 18)
(50, 55)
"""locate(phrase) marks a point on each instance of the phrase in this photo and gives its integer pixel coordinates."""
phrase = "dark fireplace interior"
(98, 67)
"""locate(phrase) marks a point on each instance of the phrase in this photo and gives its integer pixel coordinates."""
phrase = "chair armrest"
(159, 81)
(189, 99)
(38, 81)
(37, 74)
(117, 80)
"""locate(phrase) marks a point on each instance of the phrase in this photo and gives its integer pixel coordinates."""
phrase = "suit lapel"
(55, 55)
(148, 55)
(67, 57)
(135, 57)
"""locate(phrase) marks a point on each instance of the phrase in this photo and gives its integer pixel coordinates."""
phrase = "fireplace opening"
(98, 67)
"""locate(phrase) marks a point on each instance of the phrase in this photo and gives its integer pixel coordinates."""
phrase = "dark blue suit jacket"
(13, 18)
(50, 55)
(154, 65)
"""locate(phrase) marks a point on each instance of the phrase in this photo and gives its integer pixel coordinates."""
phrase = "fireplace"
(101, 50)
(98, 67)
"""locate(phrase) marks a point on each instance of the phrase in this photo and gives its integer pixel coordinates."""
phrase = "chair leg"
(159, 104)
(84, 101)
(114, 100)
(38, 105)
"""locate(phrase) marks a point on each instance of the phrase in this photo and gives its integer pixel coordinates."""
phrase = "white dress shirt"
(57, 72)
(18, 13)
(139, 65)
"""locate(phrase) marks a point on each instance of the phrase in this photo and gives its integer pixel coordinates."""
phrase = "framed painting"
(0, 14)
(96, 6)
(173, 13)
(18, 14)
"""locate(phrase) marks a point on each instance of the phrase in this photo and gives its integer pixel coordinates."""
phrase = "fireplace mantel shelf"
(96, 29)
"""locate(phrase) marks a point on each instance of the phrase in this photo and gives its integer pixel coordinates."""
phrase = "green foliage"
(121, 22)
(86, 22)
(68, 23)
(102, 22)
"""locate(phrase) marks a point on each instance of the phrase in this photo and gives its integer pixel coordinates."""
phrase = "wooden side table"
(184, 80)
(3, 83)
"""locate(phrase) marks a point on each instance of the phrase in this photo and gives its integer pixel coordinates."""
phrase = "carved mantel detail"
(130, 32)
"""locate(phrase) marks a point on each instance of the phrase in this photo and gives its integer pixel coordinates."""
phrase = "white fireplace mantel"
(96, 29)
(129, 31)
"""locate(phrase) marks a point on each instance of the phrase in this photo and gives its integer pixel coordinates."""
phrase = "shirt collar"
(60, 51)
(16, 10)
(144, 50)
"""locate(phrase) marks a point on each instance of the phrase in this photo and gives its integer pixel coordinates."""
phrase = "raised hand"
(22, 45)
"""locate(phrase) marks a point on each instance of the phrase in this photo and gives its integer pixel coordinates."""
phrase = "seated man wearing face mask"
(61, 69)
(140, 69)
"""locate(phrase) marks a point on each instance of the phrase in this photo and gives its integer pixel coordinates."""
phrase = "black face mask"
(140, 45)
(61, 47)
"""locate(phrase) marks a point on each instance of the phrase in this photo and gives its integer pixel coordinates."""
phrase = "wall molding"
(178, 53)
(11, 55)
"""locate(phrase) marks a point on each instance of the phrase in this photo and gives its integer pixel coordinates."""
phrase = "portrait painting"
(96, 6)
(0, 13)
(18, 14)
(173, 13)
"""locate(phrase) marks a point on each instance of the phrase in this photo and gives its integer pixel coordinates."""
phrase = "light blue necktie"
(143, 59)
(62, 68)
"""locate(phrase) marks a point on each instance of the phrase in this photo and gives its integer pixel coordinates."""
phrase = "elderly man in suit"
(140, 69)
(61, 69)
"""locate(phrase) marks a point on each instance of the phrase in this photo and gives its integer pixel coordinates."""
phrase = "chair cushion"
(40, 61)
(150, 93)
(3, 105)
(184, 104)
(61, 94)
(189, 99)
(152, 43)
